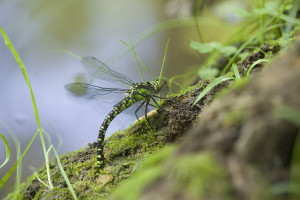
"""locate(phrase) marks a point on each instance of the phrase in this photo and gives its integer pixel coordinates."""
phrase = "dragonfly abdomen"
(118, 108)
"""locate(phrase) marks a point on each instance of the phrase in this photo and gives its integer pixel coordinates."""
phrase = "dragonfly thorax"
(141, 91)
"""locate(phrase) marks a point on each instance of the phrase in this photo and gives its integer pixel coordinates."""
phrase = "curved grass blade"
(99, 70)
(12, 169)
(21, 65)
(7, 157)
(213, 84)
(255, 63)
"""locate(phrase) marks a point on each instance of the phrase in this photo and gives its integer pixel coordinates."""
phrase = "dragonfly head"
(143, 90)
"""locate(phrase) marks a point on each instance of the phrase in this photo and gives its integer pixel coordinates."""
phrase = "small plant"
(46, 152)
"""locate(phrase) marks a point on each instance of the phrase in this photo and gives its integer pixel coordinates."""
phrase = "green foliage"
(13, 168)
(207, 73)
(213, 84)
(20, 63)
(212, 46)
(46, 152)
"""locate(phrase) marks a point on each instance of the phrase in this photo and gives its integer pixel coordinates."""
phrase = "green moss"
(200, 176)
(151, 169)
(234, 117)
(185, 91)
(127, 143)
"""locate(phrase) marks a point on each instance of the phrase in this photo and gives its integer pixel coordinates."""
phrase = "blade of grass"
(236, 71)
(67, 52)
(19, 171)
(64, 173)
(7, 157)
(18, 152)
(22, 66)
(60, 140)
(137, 59)
(48, 138)
(213, 84)
(40, 180)
(255, 63)
(162, 66)
(12, 169)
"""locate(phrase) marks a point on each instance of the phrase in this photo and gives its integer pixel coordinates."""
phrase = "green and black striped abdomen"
(144, 92)
(118, 108)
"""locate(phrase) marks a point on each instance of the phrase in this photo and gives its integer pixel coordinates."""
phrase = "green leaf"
(211, 46)
(227, 50)
(208, 73)
(201, 47)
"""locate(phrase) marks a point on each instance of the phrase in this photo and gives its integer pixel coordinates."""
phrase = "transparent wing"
(88, 91)
(99, 70)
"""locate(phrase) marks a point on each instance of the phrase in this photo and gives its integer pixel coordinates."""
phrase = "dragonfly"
(131, 93)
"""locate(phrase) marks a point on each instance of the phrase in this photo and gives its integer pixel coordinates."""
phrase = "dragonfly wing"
(99, 70)
(88, 91)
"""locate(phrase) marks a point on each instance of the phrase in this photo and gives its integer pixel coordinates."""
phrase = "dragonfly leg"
(159, 97)
(158, 105)
(146, 111)
(171, 99)
(152, 105)
(139, 109)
